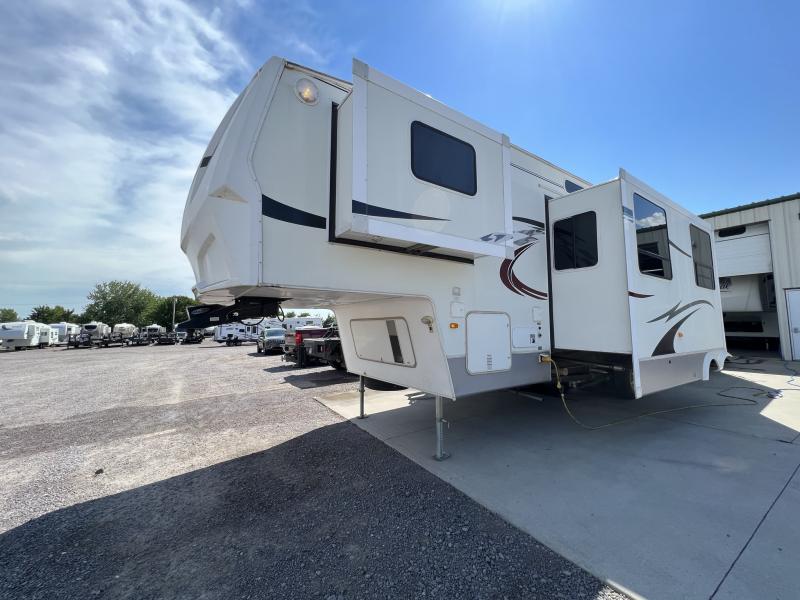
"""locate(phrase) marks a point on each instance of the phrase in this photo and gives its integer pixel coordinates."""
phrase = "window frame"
(417, 122)
(668, 258)
(692, 228)
(574, 254)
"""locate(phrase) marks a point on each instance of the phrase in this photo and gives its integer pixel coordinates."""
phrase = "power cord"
(743, 401)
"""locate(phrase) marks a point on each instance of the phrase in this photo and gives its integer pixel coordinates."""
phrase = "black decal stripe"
(282, 212)
(205, 161)
(362, 208)
(667, 343)
(675, 311)
(533, 222)
(638, 295)
(674, 245)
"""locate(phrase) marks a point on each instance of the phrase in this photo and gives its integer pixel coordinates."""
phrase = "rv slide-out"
(431, 236)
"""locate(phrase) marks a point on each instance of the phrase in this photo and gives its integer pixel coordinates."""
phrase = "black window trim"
(668, 257)
(596, 247)
(460, 141)
(695, 263)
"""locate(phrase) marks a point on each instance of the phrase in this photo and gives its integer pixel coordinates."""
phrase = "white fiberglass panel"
(488, 342)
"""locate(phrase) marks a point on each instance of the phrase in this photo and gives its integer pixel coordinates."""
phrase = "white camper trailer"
(64, 330)
(430, 236)
(47, 336)
(247, 331)
(20, 335)
(94, 333)
(154, 330)
(124, 330)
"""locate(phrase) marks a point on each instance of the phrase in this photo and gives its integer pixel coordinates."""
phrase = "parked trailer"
(20, 335)
(47, 336)
(441, 247)
(94, 333)
(236, 333)
(65, 330)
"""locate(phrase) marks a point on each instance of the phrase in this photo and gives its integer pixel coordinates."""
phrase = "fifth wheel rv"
(455, 262)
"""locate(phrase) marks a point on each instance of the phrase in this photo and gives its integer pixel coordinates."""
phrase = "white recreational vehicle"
(19, 335)
(455, 262)
(64, 330)
(47, 336)
(124, 330)
(154, 330)
(246, 331)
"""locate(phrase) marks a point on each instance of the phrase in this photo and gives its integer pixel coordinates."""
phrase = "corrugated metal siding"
(784, 227)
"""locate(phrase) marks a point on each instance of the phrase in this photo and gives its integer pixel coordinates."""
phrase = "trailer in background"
(20, 335)
(94, 333)
(64, 330)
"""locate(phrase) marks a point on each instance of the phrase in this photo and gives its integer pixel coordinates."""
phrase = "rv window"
(441, 159)
(575, 242)
(701, 254)
(652, 238)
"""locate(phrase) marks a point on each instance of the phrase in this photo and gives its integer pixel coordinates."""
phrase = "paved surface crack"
(755, 531)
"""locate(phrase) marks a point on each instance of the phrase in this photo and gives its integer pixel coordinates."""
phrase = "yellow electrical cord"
(744, 402)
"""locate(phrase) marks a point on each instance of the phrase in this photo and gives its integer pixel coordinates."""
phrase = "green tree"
(51, 314)
(304, 314)
(290, 315)
(8, 315)
(330, 321)
(119, 302)
(160, 311)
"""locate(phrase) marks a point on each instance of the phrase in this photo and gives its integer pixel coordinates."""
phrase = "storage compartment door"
(488, 343)
(417, 175)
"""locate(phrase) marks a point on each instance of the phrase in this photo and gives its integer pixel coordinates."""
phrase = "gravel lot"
(210, 472)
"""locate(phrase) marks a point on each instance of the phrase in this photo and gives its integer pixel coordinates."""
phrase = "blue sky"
(108, 105)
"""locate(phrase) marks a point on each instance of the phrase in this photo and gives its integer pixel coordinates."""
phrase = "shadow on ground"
(334, 512)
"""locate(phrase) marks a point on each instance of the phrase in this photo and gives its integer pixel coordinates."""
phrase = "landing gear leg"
(440, 421)
(361, 414)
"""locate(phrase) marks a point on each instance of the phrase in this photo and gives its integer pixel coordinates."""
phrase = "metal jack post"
(440, 421)
(361, 414)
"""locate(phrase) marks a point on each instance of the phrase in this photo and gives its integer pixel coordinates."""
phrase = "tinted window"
(439, 158)
(701, 254)
(652, 238)
(729, 231)
(575, 242)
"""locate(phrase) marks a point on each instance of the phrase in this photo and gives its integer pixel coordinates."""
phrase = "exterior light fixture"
(307, 91)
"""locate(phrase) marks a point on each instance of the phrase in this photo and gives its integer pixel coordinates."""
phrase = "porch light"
(306, 90)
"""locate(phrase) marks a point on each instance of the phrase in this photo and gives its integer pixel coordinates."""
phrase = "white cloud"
(106, 109)
(105, 112)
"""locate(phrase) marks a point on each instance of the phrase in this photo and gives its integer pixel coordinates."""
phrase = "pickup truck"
(326, 349)
(294, 349)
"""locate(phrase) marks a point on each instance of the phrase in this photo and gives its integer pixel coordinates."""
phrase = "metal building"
(758, 259)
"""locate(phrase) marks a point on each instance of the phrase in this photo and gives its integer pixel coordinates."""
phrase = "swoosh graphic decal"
(675, 311)
(361, 208)
(666, 344)
(674, 245)
(512, 282)
(638, 295)
(289, 214)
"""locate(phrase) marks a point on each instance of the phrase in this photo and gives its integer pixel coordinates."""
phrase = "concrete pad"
(658, 506)
(770, 565)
